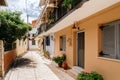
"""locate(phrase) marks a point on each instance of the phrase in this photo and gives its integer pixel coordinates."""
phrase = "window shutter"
(118, 42)
(64, 43)
(109, 41)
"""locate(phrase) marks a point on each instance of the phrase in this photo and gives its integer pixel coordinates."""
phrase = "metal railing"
(61, 13)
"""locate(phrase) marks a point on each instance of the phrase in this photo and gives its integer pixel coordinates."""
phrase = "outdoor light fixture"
(75, 26)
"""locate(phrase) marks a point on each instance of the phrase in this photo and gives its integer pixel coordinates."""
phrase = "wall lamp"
(75, 26)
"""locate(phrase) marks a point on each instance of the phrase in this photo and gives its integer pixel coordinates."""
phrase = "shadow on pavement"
(24, 62)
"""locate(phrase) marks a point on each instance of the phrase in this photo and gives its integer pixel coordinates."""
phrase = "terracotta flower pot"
(65, 66)
(60, 65)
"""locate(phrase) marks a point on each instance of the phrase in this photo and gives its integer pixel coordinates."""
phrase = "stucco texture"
(109, 68)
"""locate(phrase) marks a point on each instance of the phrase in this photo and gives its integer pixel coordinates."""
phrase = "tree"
(12, 28)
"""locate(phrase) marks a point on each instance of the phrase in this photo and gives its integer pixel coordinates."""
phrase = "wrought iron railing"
(61, 12)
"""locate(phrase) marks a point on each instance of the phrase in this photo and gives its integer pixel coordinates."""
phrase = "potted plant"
(89, 76)
(61, 61)
(64, 65)
(68, 4)
(58, 60)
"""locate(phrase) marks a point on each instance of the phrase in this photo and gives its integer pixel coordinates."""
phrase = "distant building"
(32, 43)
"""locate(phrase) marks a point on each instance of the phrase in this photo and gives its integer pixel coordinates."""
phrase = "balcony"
(59, 13)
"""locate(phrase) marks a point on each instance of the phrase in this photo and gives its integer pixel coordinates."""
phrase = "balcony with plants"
(59, 12)
(64, 8)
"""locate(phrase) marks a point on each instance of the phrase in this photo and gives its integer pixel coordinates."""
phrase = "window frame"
(62, 45)
(33, 41)
(116, 25)
(47, 40)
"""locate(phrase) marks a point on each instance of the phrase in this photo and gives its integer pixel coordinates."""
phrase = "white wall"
(33, 47)
(51, 47)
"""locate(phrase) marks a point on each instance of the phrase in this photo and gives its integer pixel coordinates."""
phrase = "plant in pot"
(89, 76)
(58, 60)
(65, 66)
(68, 4)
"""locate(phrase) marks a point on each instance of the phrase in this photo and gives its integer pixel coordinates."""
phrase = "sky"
(33, 9)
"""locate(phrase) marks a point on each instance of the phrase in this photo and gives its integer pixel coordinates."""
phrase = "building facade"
(32, 42)
(88, 34)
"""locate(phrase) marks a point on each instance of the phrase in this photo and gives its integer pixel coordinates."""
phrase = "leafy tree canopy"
(12, 27)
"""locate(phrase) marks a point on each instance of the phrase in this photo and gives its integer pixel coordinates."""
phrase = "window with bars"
(62, 43)
(111, 40)
(33, 42)
(33, 35)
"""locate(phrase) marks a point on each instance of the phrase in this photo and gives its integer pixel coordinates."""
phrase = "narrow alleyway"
(33, 66)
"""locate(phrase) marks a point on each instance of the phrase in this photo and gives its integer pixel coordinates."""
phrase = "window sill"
(109, 59)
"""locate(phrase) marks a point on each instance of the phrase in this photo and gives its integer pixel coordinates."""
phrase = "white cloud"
(33, 9)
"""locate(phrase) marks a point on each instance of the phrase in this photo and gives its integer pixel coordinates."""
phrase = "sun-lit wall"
(109, 68)
(21, 47)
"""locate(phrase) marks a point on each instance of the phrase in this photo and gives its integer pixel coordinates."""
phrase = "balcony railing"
(59, 13)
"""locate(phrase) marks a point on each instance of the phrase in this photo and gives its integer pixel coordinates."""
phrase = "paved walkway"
(32, 66)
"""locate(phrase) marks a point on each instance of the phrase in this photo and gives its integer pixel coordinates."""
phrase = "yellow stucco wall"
(66, 32)
(109, 68)
(21, 47)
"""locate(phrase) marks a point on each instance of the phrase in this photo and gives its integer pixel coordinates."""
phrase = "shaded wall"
(9, 58)
(1, 59)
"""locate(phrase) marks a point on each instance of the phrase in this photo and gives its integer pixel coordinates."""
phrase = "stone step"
(76, 70)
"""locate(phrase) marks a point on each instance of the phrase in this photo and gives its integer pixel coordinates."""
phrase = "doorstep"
(76, 70)
(67, 72)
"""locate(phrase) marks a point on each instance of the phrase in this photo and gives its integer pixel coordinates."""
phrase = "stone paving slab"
(39, 69)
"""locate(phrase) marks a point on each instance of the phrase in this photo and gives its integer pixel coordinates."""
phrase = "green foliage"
(12, 27)
(63, 57)
(89, 76)
(68, 3)
(59, 59)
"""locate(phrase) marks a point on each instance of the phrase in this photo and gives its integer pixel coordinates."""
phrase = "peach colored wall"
(69, 49)
(109, 68)
(9, 57)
